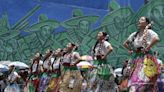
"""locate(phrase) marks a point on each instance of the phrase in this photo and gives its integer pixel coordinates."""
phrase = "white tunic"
(67, 58)
(74, 55)
(138, 41)
(46, 64)
(70, 58)
(55, 64)
(34, 67)
(101, 48)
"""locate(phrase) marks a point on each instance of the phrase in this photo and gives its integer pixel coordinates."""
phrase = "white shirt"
(70, 58)
(74, 57)
(138, 41)
(67, 58)
(13, 76)
(101, 48)
(34, 67)
(46, 64)
(55, 63)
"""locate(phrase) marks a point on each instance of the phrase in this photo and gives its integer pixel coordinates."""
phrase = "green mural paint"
(119, 24)
(113, 5)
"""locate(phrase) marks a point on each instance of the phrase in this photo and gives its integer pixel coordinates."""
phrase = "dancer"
(45, 78)
(70, 59)
(144, 64)
(35, 73)
(54, 85)
(104, 75)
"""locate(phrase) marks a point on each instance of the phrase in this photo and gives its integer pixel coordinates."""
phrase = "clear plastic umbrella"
(3, 69)
(19, 65)
(5, 62)
(118, 71)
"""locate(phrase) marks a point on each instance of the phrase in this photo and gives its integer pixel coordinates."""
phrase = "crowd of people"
(58, 69)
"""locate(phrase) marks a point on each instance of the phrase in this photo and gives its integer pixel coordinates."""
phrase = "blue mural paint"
(134, 4)
(59, 10)
(97, 4)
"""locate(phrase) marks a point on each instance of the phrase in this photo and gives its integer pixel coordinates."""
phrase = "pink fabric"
(138, 78)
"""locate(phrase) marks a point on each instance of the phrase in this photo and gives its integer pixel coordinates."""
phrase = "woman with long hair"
(36, 70)
(104, 77)
(45, 77)
(71, 73)
(54, 85)
(144, 69)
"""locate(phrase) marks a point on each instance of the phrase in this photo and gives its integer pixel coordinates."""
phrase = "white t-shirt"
(138, 41)
(101, 48)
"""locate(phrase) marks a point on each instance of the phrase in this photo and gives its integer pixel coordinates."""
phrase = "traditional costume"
(145, 67)
(103, 76)
(54, 84)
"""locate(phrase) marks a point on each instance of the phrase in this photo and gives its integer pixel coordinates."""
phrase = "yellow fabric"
(86, 66)
(53, 85)
(150, 68)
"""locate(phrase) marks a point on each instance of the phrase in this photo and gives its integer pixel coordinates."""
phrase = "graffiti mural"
(41, 35)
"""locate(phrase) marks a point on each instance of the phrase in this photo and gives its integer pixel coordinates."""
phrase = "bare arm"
(125, 44)
(41, 68)
(153, 42)
(78, 58)
(109, 50)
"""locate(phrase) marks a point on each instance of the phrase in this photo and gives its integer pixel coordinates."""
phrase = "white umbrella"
(86, 58)
(19, 65)
(84, 64)
(118, 71)
(3, 69)
(5, 62)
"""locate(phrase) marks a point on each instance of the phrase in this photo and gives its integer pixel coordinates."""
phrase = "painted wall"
(30, 26)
